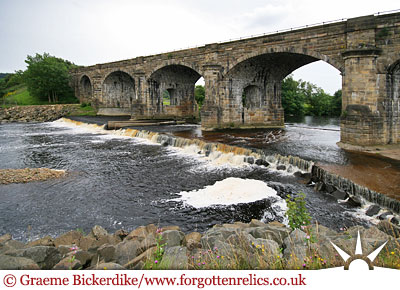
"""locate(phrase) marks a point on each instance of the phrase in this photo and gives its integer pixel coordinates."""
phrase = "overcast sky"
(87, 32)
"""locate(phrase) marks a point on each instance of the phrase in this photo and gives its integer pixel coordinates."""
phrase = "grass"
(84, 111)
(19, 96)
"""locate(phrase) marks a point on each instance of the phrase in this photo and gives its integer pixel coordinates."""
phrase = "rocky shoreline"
(44, 113)
(253, 245)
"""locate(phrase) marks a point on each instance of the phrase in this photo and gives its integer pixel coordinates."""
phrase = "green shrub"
(297, 212)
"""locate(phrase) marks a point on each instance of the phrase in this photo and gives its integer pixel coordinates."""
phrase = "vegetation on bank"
(45, 81)
(304, 98)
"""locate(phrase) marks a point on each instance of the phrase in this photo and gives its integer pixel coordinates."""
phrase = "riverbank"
(390, 150)
(253, 245)
(41, 113)
(8, 176)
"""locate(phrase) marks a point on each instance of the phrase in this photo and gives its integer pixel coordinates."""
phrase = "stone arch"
(118, 90)
(179, 80)
(85, 89)
(290, 50)
(175, 63)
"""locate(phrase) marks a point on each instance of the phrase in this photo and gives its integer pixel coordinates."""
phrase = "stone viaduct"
(243, 79)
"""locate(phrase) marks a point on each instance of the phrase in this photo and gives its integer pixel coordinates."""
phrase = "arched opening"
(118, 91)
(254, 87)
(172, 92)
(85, 89)
(199, 92)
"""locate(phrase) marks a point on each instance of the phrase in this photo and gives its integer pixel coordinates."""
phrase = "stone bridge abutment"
(243, 79)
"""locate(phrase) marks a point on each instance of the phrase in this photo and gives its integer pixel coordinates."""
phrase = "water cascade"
(220, 153)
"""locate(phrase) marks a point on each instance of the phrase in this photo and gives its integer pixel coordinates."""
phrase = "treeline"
(46, 79)
(304, 98)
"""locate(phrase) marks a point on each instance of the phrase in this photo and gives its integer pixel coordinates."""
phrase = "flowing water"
(123, 182)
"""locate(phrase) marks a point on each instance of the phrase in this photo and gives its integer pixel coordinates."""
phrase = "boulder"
(45, 241)
(70, 238)
(147, 243)
(5, 238)
(175, 258)
(319, 186)
(46, 257)
(121, 234)
(329, 188)
(256, 223)
(354, 201)
(68, 263)
(17, 263)
(372, 210)
(139, 234)
(11, 245)
(172, 238)
(385, 215)
(281, 167)
(340, 194)
(297, 174)
(249, 159)
(210, 237)
(84, 257)
(262, 162)
(146, 256)
(106, 252)
(126, 251)
(192, 241)
(98, 232)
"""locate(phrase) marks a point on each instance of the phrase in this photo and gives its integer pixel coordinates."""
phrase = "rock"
(84, 257)
(109, 266)
(192, 241)
(121, 234)
(267, 248)
(172, 238)
(373, 210)
(70, 238)
(45, 257)
(210, 237)
(329, 188)
(385, 215)
(276, 224)
(147, 243)
(354, 201)
(270, 232)
(45, 241)
(126, 251)
(146, 256)
(164, 143)
(256, 223)
(262, 162)
(175, 258)
(106, 252)
(5, 238)
(151, 229)
(68, 263)
(319, 186)
(64, 250)
(296, 237)
(281, 167)
(339, 194)
(91, 244)
(17, 263)
(139, 234)
(98, 232)
(249, 159)
(394, 221)
(297, 174)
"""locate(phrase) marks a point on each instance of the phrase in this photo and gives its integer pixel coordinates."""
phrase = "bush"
(297, 212)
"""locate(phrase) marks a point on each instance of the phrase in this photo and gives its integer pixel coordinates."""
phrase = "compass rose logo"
(358, 254)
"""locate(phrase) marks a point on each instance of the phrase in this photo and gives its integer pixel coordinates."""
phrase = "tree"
(47, 78)
(292, 97)
(199, 95)
(337, 103)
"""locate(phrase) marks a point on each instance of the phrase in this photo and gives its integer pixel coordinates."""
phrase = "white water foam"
(229, 191)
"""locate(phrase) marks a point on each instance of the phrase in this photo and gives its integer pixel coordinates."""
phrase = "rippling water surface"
(121, 182)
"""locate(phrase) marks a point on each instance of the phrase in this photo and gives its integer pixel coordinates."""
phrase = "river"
(122, 182)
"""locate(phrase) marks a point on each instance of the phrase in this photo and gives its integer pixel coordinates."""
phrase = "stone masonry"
(243, 79)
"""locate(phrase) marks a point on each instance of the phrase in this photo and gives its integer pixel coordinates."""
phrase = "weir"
(240, 155)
